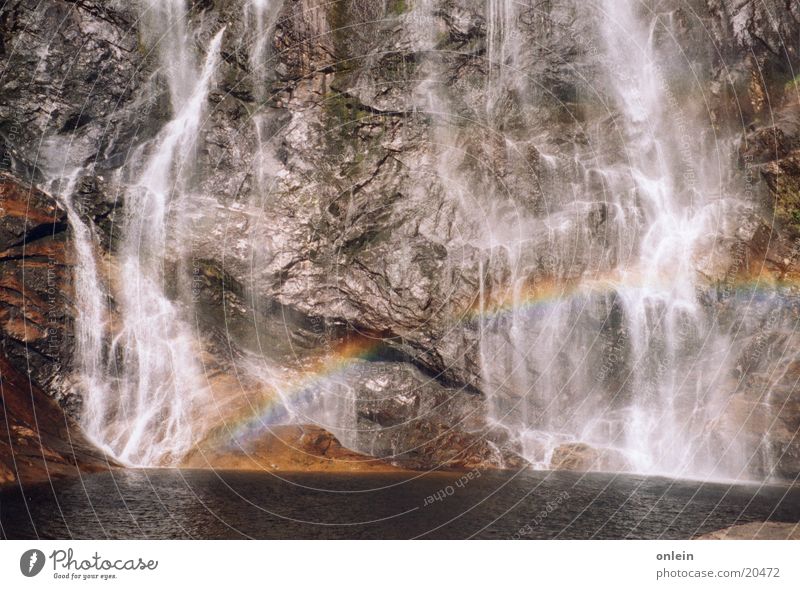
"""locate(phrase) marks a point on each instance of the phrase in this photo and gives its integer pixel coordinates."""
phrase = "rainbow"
(302, 390)
(348, 353)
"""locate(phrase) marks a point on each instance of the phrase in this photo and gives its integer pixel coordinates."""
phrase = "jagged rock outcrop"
(71, 71)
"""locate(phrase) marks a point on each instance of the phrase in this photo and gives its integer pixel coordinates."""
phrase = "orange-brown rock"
(285, 448)
(25, 209)
(582, 457)
(36, 306)
(38, 441)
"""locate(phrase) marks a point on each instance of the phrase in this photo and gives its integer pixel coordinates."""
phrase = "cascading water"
(609, 343)
(145, 410)
(143, 398)
(90, 297)
(502, 48)
(260, 14)
(658, 287)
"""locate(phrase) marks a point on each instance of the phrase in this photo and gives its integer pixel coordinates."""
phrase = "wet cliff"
(376, 202)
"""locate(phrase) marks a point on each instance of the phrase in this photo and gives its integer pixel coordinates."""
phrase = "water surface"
(531, 504)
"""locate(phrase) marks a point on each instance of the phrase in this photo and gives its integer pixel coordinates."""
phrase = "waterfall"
(658, 288)
(260, 17)
(89, 297)
(260, 14)
(607, 342)
(501, 50)
(148, 415)
(593, 324)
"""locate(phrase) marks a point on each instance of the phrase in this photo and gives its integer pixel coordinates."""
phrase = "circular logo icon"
(31, 562)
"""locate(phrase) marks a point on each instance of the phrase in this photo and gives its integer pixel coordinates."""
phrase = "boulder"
(412, 420)
(284, 448)
(582, 457)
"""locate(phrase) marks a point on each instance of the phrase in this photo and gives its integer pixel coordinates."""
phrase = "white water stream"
(618, 352)
(142, 408)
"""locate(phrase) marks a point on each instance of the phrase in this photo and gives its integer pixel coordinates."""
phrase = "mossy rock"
(783, 179)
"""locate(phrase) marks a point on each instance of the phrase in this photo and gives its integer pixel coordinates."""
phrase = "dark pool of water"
(205, 504)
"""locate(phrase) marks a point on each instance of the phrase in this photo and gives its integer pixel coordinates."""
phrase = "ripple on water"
(541, 505)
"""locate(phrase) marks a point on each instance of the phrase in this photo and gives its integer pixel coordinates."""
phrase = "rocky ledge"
(311, 448)
(756, 531)
(286, 448)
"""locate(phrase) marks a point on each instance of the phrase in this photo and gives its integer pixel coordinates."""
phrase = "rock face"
(326, 215)
(34, 281)
(79, 72)
(387, 414)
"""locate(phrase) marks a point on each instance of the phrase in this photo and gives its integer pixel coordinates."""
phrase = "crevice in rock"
(41, 232)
